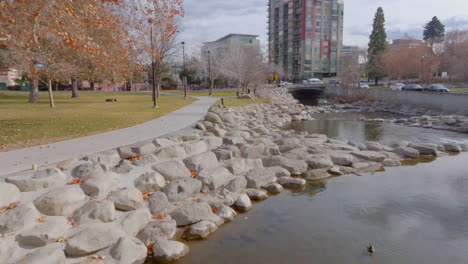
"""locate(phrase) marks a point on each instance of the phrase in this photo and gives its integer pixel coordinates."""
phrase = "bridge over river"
(307, 91)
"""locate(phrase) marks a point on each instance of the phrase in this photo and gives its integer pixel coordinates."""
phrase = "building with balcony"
(305, 37)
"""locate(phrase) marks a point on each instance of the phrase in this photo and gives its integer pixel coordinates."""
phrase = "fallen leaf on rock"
(75, 181)
(135, 158)
(41, 219)
(194, 174)
(9, 207)
(160, 216)
(97, 257)
(146, 195)
(214, 209)
(62, 240)
(73, 224)
(149, 247)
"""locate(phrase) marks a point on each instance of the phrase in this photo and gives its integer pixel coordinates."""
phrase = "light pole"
(422, 67)
(209, 74)
(184, 79)
(150, 21)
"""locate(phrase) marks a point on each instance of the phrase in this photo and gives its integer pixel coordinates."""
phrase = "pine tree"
(434, 31)
(377, 45)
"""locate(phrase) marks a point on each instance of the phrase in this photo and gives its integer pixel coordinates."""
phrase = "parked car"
(284, 84)
(312, 81)
(412, 87)
(397, 86)
(364, 86)
(334, 82)
(437, 88)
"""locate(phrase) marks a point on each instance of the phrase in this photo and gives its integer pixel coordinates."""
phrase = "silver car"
(397, 86)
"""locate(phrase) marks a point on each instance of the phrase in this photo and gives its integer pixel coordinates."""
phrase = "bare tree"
(455, 53)
(352, 67)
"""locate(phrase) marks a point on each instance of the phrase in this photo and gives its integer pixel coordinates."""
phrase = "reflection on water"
(411, 214)
(347, 126)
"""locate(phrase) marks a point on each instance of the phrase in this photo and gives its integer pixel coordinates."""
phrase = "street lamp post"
(184, 79)
(209, 73)
(422, 68)
(150, 21)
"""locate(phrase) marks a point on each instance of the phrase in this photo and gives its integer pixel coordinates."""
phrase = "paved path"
(22, 159)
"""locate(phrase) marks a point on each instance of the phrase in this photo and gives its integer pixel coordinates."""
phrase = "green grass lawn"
(459, 90)
(23, 124)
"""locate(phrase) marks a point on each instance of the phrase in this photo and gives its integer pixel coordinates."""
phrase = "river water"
(416, 213)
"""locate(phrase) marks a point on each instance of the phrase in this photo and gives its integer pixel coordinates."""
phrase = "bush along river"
(333, 179)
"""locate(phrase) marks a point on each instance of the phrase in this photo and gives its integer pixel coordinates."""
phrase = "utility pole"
(209, 74)
(422, 68)
(150, 21)
(184, 79)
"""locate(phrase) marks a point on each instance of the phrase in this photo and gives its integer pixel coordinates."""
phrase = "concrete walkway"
(22, 159)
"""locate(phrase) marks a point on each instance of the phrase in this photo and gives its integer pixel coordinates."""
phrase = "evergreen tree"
(377, 45)
(434, 31)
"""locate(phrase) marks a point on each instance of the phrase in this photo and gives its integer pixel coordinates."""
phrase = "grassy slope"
(21, 122)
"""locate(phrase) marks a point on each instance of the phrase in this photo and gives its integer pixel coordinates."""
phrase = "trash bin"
(3, 87)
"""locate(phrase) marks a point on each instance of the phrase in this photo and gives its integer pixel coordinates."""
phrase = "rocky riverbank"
(413, 117)
(145, 200)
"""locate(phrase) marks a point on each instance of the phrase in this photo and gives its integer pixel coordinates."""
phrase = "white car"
(397, 86)
(312, 81)
(364, 86)
(284, 84)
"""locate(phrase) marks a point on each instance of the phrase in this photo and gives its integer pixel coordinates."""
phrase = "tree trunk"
(74, 88)
(56, 87)
(158, 89)
(93, 86)
(211, 87)
(34, 91)
(51, 96)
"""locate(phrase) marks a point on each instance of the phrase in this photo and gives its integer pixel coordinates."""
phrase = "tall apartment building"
(305, 36)
(229, 41)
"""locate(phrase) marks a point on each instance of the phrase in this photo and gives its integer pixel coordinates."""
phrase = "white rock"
(95, 212)
(201, 161)
(274, 188)
(162, 142)
(172, 170)
(243, 203)
(127, 199)
(370, 155)
(35, 181)
(192, 213)
(180, 190)
(51, 254)
(317, 174)
(256, 195)
(144, 149)
(289, 182)
(150, 182)
(9, 194)
(15, 219)
(167, 251)
(407, 152)
(200, 230)
(129, 251)
(342, 159)
(171, 152)
(214, 178)
(295, 167)
(213, 142)
(43, 233)
(226, 212)
(259, 177)
(158, 203)
(157, 229)
(241, 167)
(89, 170)
(99, 187)
(136, 220)
(92, 238)
(61, 201)
(194, 147)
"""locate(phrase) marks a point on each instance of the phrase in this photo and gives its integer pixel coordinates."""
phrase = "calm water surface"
(417, 213)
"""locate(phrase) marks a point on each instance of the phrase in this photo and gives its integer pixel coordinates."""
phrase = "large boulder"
(199, 230)
(213, 118)
(180, 190)
(163, 142)
(252, 151)
(144, 149)
(123, 167)
(194, 147)
(369, 155)
(424, 149)
(91, 238)
(171, 152)
(227, 152)
(99, 187)
(317, 174)
(319, 161)
(243, 203)
(127, 199)
(241, 167)
(167, 251)
(49, 254)
(158, 229)
(172, 170)
(9, 194)
(214, 177)
(150, 182)
(274, 188)
(342, 159)
(453, 147)
(289, 182)
(256, 194)
(95, 212)
(213, 142)
(17, 218)
(259, 177)
(374, 146)
(225, 212)
(43, 233)
(61, 201)
(129, 250)
(158, 203)
(133, 222)
(192, 213)
(35, 181)
(295, 167)
(407, 152)
(89, 170)
(237, 184)
(201, 161)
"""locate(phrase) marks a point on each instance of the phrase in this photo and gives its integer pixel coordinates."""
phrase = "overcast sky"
(208, 20)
